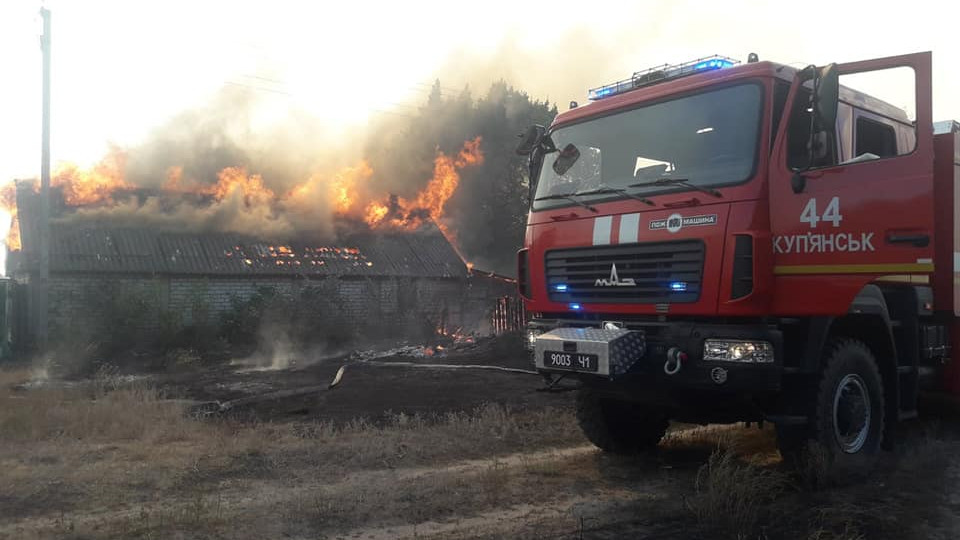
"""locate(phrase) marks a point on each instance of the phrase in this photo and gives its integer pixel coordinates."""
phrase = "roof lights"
(659, 74)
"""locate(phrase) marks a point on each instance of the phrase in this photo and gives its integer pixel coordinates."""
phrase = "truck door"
(852, 218)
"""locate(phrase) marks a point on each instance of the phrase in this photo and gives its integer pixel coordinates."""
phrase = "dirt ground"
(405, 452)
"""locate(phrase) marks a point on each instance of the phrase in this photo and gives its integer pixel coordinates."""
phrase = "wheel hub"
(851, 413)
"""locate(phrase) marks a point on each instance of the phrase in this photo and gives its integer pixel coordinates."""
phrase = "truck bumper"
(672, 356)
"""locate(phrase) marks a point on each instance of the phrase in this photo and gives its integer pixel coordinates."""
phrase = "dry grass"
(730, 495)
(113, 458)
(102, 410)
(118, 450)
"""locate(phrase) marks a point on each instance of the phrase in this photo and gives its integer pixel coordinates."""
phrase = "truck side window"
(875, 138)
(884, 107)
(798, 137)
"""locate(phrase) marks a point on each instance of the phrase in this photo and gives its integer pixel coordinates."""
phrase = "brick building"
(151, 282)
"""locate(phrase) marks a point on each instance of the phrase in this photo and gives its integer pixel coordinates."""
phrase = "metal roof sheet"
(425, 252)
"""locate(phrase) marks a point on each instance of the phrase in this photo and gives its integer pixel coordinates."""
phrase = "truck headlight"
(748, 352)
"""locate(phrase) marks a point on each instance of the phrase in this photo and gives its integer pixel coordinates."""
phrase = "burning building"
(393, 281)
(163, 260)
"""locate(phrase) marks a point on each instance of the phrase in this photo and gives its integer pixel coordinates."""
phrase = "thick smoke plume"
(223, 167)
(210, 170)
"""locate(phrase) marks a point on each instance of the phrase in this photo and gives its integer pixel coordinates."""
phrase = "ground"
(225, 451)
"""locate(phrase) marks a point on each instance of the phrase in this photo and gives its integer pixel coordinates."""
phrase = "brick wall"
(91, 306)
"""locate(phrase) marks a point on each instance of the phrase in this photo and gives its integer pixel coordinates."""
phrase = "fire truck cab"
(722, 242)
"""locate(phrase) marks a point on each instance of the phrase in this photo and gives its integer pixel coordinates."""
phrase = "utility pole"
(40, 286)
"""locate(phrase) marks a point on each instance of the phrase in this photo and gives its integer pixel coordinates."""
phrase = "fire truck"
(719, 242)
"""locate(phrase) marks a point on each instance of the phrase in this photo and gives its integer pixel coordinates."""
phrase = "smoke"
(231, 165)
(162, 213)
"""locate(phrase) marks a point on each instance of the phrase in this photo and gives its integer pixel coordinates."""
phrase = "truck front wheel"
(848, 411)
(619, 427)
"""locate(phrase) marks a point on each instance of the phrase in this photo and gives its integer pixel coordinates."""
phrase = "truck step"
(905, 370)
(787, 419)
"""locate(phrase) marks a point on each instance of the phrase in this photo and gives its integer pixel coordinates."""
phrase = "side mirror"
(828, 96)
(533, 166)
(531, 139)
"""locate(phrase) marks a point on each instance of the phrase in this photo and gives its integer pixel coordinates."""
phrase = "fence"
(509, 315)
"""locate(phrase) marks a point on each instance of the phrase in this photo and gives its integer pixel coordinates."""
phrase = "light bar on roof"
(662, 73)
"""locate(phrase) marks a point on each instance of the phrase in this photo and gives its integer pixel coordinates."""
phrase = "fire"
(236, 180)
(94, 185)
(348, 192)
(174, 179)
(375, 213)
(8, 204)
(432, 200)
(346, 186)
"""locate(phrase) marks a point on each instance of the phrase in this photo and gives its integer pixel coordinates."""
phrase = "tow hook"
(674, 363)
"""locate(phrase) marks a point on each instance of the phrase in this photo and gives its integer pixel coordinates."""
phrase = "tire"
(619, 427)
(848, 412)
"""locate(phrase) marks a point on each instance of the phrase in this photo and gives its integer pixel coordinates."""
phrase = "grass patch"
(112, 457)
(730, 495)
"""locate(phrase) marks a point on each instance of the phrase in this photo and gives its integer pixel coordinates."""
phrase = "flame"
(233, 180)
(430, 203)
(8, 204)
(94, 185)
(349, 191)
(174, 179)
(346, 186)
(375, 213)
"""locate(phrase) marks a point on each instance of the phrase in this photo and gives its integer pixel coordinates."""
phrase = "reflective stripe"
(602, 227)
(852, 268)
(629, 228)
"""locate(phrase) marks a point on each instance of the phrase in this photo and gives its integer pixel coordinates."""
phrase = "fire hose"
(218, 407)
(340, 372)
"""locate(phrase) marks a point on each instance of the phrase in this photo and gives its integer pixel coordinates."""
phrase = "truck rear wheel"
(848, 416)
(619, 427)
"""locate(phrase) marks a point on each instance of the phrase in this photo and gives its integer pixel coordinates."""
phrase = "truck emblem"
(675, 222)
(614, 280)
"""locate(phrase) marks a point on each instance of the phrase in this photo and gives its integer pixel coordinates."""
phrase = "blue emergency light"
(574, 307)
(678, 286)
(562, 287)
(659, 74)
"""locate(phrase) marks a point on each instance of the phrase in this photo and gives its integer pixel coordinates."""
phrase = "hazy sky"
(121, 68)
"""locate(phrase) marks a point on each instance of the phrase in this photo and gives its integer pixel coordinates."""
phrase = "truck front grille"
(651, 273)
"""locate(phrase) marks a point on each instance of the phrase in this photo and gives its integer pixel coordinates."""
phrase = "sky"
(123, 68)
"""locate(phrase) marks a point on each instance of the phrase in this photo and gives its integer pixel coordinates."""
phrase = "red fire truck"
(723, 242)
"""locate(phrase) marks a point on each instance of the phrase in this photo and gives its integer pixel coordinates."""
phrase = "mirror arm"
(813, 120)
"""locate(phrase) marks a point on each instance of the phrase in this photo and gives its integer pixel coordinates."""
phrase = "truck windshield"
(707, 139)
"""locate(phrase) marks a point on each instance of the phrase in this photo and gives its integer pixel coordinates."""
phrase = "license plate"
(571, 361)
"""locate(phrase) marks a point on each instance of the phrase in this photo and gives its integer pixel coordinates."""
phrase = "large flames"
(349, 192)
(432, 200)
(80, 187)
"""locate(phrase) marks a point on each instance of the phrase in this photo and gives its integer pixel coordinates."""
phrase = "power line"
(260, 78)
(261, 88)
